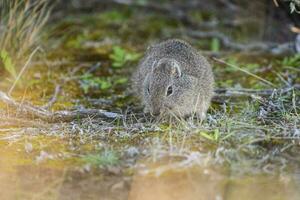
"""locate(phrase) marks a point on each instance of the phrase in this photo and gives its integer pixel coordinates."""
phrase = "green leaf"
(121, 80)
(207, 136)
(104, 84)
(8, 64)
(215, 45)
(216, 134)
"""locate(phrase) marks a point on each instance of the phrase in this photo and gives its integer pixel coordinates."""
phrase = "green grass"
(215, 45)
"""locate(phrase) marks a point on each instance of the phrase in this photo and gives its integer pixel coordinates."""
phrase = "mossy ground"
(92, 57)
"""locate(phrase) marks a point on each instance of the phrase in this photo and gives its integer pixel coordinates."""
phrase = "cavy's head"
(162, 89)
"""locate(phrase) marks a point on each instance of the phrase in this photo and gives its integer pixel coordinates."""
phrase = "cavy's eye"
(170, 91)
(148, 90)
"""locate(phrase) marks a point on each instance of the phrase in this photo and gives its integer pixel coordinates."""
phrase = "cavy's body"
(174, 78)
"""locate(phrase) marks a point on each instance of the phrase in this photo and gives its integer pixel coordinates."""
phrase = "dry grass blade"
(23, 20)
(245, 71)
(22, 71)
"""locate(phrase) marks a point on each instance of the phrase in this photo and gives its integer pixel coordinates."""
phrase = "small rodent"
(173, 77)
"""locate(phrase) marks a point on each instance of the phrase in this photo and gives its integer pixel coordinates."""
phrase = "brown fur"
(176, 66)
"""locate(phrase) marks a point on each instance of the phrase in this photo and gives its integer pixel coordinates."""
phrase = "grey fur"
(174, 63)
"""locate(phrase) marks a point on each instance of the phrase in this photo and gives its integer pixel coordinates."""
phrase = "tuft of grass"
(293, 61)
(105, 158)
(21, 23)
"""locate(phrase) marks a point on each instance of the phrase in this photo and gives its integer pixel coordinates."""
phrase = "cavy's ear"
(175, 70)
(170, 66)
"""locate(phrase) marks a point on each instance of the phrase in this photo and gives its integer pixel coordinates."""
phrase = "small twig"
(12, 121)
(230, 5)
(272, 48)
(53, 99)
(25, 108)
(98, 102)
(58, 116)
(245, 91)
(276, 3)
(94, 67)
(231, 92)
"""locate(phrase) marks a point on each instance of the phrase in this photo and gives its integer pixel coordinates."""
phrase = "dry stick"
(22, 71)
(226, 40)
(24, 108)
(273, 48)
(58, 116)
(245, 91)
(12, 121)
(245, 71)
(222, 94)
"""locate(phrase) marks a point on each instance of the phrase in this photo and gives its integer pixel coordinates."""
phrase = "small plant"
(89, 81)
(120, 57)
(105, 158)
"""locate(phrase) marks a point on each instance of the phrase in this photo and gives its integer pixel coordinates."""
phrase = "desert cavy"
(173, 78)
